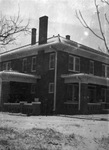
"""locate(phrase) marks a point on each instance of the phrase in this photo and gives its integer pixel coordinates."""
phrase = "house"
(65, 76)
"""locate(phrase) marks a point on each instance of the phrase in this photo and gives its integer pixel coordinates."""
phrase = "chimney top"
(33, 36)
(43, 26)
(68, 37)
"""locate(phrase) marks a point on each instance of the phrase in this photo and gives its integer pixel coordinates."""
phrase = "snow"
(81, 132)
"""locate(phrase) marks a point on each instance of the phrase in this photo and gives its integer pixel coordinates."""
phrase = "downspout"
(55, 80)
(79, 105)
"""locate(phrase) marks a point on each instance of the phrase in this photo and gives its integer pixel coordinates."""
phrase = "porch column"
(84, 98)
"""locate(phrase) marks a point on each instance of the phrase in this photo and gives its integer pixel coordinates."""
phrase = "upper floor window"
(6, 66)
(33, 65)
(77, 64)
(24, 65)
(74, 63)
(103, 70)
(108, 71)
(91, 67)
(52, 61)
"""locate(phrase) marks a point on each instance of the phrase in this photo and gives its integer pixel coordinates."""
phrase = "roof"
(59, 43)
(85, 78)
(18, 77)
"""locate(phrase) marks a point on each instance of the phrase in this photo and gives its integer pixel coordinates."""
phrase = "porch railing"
(23, 107)
(94, 108)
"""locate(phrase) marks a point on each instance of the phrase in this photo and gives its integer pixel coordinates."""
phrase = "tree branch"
(11, 26)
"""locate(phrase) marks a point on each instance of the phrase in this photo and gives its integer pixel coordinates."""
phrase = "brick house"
(68, 77)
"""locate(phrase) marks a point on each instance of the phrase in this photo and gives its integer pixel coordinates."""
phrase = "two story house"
(68, 77)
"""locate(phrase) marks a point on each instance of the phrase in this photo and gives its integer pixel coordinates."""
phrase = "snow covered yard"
(20, 132)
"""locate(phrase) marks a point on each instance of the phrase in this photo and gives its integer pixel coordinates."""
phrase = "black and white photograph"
(54, 74)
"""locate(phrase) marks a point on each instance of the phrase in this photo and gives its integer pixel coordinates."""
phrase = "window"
(7, 65)
(77, 64)
(73, 92)
(51, 87)
(52, 61)
(71, 63)
(4, 66)
(33, 88)
(24, 66)
(33, 66)
(108, 71)
(74, 63)
(103, 70)
(91, 67)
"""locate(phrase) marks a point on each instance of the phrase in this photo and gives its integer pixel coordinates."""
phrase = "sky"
(61, 18)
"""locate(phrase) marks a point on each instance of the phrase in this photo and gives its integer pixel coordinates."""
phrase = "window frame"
(23, 65)
(51, 87)
(51, 61)
(90, 67)
(73, 95)
(107, 71)
(73, 63)
(104, 74)
(4, 68)
(32, 64)
(9, 65)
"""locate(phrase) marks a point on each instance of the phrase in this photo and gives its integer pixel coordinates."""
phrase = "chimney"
(33, 36)
(68, 37)
(43, 26)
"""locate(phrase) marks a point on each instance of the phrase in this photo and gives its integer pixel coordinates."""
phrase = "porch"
(16, 88)
(86, 94)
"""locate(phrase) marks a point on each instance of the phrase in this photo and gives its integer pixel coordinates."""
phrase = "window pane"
(24, 65)
(77, 64)
(4, 66)
(33, 68)
(71, 63)
(9, 65)
(51, 87)
(52, 61)
(103, 71)
(108, 71)
(91, 71)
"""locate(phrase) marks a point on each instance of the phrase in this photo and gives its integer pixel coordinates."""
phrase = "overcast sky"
(61, 13)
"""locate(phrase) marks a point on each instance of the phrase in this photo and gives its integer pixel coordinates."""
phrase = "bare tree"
(102, 35)
(10, 27)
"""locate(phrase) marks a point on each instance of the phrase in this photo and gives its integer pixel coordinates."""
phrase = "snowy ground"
(20, 132)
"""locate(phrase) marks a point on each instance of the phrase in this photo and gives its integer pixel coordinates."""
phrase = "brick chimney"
(43, 26)
(68, 37)
(33, 36)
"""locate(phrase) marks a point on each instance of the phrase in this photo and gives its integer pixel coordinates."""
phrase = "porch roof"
(18, 77)
(85, 78)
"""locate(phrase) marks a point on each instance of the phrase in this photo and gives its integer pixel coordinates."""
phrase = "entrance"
(20, 91)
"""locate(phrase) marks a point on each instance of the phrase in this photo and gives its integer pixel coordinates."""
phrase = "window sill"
(70, 102)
